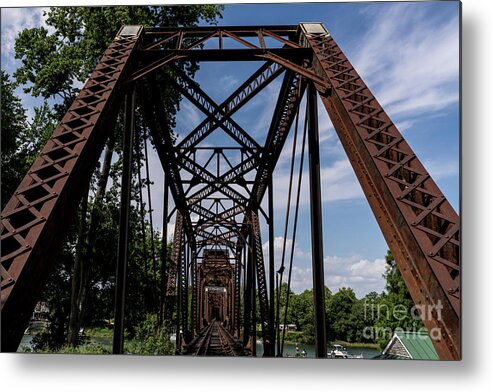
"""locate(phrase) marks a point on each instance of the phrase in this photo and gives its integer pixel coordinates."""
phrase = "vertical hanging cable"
(295, 224)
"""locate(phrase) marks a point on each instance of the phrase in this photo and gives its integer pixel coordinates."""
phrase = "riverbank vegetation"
(364, 322)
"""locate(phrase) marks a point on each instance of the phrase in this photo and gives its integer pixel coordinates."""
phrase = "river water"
(289, 348)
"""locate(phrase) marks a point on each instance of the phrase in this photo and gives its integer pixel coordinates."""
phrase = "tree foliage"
(371, 319)
(56, 61)
(13, 124)
(21, 139)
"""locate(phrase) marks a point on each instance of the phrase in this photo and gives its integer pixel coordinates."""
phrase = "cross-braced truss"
(218, 190)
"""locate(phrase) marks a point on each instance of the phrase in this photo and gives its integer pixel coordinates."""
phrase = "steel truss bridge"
(212, 254)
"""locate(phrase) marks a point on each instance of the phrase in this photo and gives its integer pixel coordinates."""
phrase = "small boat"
(341, 352)
(338, 352)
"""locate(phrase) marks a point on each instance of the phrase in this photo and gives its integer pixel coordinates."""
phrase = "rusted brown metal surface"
(419, 224)
(51, 190)
(172, 270)
(263, 299)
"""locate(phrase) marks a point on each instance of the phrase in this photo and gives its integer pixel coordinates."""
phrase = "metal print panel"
(243, 180)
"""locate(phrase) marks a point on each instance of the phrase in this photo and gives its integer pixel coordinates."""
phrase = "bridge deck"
(214, 340)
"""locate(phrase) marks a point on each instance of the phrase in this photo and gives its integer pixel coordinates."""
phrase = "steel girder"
(216, 115)
(194, 317)
(263, 298)
(260, 79)
(419, 224)
(182, 324)
(52, 188)
(157, 120)
(173, 267)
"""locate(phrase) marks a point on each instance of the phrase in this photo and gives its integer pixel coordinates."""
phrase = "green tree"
(13, 125)
(395, 309)
(21, 139)
(338, 311)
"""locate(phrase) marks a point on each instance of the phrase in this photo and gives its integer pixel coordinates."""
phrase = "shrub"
(150, 339)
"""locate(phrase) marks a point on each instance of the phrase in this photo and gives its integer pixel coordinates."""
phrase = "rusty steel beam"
(214, 55)
(263, 296)
(323, 84)
(242, 31)
(211, 180)
(237, 291)
(289, 99)
(267, 73)
(194, 316)
(234, 175)
(49, 193)
(156, 119)
(203, 102)
(182, 322)
(420, 226)
(170, 293)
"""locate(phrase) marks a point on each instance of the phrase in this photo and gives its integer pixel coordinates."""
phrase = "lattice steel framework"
(218, 198)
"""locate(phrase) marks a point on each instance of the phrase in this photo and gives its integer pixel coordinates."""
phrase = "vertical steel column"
(122, 256)
(316, 224)
(179, 265)
(184, 290)
(237, 287)
(164, 253)
(254, 298)
(248, 296)
(271, 267)
(194, 311)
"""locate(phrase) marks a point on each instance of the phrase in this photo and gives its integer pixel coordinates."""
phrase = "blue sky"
(407, 53)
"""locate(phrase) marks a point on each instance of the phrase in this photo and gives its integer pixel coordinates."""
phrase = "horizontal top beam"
(245, 31)
(226, 54)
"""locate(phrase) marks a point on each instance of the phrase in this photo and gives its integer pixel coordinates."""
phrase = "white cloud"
(188, 118)
(15, 20)
(409, 60)
(359, 273)
(228, 83)
(338, 182)
(278, 246)
(441, 169)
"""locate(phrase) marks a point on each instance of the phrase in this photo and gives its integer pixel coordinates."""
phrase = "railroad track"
(214, 340)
